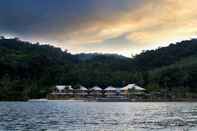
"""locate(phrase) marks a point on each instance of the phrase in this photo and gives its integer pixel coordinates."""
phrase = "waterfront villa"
(110, 91)
(59, 89)
(66, 92)
(131, 89)
(63, 90)
(96, 91)
(81, 91)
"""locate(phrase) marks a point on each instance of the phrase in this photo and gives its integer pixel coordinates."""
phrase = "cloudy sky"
(108, 26)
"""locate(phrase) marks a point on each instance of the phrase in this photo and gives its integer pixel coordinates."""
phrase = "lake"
(97, 116)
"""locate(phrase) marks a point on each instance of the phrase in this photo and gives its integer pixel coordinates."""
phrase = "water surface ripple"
(93, 116)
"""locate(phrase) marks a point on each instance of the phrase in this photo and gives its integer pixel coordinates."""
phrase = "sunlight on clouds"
(153, 22)
(120, 26)
(175, 21)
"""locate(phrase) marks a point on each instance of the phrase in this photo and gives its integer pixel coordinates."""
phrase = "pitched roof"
(110, 88)
(83, 88)
(60, 87)
(132, 86)
(96, 88)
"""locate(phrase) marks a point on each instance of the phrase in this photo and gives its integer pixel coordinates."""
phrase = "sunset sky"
(109, 26)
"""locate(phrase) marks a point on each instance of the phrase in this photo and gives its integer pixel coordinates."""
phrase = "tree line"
(30, 70)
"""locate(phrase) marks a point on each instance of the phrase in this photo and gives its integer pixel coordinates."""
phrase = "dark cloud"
(23, 16)
(100, 24)
(49, 16)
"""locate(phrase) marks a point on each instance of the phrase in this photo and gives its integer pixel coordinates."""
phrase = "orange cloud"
(151, 22)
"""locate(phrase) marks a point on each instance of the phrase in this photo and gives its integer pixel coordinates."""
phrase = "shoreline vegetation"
(30, 70)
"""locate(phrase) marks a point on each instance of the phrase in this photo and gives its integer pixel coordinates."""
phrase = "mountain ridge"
(32, 70)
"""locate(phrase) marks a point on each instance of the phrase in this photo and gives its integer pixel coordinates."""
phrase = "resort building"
(81, 91)
(59, 89)
(96, 91)
(63, 89)
(61, 92)
(110, 91)
(68, 90)
(131, 89)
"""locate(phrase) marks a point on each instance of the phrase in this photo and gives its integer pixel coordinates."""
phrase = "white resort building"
(63, 90)
(81, 91)
(96, 91)
(110, 91)
(129, 91)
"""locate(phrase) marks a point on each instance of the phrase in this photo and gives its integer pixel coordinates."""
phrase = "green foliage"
(31, 70)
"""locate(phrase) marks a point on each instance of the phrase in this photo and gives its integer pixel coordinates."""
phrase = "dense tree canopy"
(31, 70)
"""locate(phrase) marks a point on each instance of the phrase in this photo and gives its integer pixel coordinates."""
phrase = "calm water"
(92, 116)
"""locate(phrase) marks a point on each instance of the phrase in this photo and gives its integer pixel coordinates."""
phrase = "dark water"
(92, 116)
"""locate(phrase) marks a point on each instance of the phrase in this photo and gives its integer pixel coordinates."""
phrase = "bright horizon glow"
(86, 26)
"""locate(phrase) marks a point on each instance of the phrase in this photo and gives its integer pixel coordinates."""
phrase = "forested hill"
(152, 59)
(31, 70)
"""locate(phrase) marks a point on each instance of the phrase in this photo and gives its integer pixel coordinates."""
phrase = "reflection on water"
(92, 116)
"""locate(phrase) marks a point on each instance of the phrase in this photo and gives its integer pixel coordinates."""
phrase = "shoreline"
(71, 100)
(102, 99)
